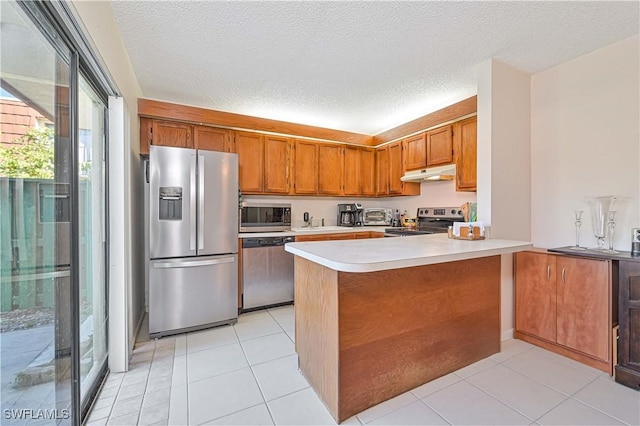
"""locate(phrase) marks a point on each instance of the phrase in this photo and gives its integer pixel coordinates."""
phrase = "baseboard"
(506, 335)
(135, 334)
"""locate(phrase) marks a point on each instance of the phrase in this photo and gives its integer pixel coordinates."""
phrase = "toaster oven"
(377, 216)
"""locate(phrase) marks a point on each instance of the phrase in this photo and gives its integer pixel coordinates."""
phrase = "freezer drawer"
(191, 293)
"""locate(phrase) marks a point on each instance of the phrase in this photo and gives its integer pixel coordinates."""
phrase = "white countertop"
(312, 231)
(378, 254)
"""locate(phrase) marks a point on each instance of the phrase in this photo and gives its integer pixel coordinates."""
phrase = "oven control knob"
(420, 211)
(453, 212)
(460, 212)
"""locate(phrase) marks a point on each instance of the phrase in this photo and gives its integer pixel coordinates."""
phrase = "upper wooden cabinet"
(213, 139)
(250, 147)
(439, 144)
(396, 168)
(382, 176)
(465, 144)
(277, 165)
(359, 171)
(169, 133)
(181, 135)
(305, 168)
(330, 169)
(415, 152)
(396, 171)
(351, 170)
(564, 303)
(367, 172)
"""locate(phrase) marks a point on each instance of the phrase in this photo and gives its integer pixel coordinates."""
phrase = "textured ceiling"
(357, 66)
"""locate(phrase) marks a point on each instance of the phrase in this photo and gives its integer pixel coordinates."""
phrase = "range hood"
(446, 172)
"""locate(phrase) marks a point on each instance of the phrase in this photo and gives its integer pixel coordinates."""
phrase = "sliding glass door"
(53, 284)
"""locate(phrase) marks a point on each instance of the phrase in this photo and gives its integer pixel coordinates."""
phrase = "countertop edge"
(306, 251)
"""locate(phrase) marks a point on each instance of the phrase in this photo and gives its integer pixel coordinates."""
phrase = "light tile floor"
(247, 374)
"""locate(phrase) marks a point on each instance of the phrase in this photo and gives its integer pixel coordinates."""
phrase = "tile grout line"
(433, 409)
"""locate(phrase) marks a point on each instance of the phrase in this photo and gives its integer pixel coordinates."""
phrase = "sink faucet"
(308, 220)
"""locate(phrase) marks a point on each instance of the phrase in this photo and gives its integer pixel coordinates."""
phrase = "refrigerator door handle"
(192, 206)
(200, 202)
(194, 263)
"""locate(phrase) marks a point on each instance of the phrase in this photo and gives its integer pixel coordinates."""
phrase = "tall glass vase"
(599, 208)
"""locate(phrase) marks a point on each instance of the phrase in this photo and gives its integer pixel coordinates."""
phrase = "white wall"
(585, 139)
(99, 25)
(432, 194)
(504, 178)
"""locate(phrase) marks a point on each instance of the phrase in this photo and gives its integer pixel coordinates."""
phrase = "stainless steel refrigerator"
(193, 239)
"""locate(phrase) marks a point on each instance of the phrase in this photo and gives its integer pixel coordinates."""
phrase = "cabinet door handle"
(548, 272)
(562, 275)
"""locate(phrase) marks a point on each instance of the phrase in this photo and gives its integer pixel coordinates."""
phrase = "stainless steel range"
(431, 220)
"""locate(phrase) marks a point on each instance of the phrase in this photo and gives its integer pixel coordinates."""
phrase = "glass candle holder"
(578, 224)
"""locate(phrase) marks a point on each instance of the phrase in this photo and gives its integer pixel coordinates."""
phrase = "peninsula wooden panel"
(437, 319)
(157, 109)
(396, 329)
(316, 308)
(449, 113)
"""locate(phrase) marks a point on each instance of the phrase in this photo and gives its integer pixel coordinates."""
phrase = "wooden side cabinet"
(628, 368)
(564, 304)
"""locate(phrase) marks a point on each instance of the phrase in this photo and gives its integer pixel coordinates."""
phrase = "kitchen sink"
(321, 228)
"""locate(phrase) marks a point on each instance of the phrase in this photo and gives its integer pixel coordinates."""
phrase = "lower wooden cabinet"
(628, 368)
(564, 304)
(339, 236)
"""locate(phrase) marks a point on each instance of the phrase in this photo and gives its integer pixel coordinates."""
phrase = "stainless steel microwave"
(263, 217)
(376, 216)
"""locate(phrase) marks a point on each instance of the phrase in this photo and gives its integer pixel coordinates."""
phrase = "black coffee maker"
(350, 214)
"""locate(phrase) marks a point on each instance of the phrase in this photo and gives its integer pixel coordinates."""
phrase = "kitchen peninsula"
(376, 318)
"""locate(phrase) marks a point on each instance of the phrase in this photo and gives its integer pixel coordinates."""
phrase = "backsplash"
(433, 194)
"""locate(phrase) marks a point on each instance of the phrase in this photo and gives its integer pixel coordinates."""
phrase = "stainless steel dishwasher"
(267, 272)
